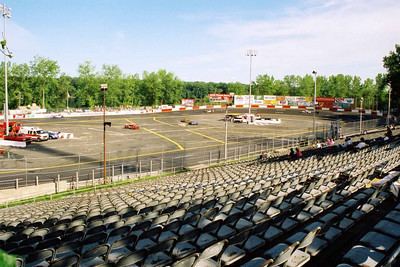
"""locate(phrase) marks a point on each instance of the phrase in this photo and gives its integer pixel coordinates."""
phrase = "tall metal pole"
(104, 138)
(6, 13)
(250, 53)
(388, 113)
(43, 105)
(314, 104)
(361, 112)
(226, 134)
(6, 89)
(103, 87)
(67, 100)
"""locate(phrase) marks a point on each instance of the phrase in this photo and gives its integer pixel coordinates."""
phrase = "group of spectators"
(295, 154)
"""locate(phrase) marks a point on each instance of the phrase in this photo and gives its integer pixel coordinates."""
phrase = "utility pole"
(388, 113)
(250, 53)
(6, 13)
(361, 112)
(226, 134)
(315, 104)
(103, 88)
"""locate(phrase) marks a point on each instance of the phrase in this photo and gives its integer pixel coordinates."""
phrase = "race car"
(189, 122)
(132, 126)
(193, 123)
(57, 116)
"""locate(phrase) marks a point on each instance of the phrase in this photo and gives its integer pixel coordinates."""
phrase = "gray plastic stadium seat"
(378, 242)
(363, 256)
(206, 257)
(389, 228)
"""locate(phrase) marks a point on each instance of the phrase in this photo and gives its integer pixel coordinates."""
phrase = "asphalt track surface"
(161, 140)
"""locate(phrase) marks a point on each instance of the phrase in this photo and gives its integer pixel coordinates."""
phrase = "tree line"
(42, 82)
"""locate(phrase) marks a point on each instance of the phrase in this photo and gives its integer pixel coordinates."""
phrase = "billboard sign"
(187, 102)
(225, 98)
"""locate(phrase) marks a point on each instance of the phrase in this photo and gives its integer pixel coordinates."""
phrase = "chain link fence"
(139, 162)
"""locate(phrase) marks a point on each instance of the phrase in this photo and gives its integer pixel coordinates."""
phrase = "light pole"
(226, 133)
(67, 100)
(250, 53)
(314, 103)
(388, 113)
(6, 12)
(361, 112)
(103, 88)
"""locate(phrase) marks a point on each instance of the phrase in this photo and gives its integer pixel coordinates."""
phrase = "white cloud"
(349, 37)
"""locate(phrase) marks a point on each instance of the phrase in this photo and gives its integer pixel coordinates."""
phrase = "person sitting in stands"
(389, 132)
(330, 142)
(298, 153)
(361, 144)
(292, 154)
(347, 142)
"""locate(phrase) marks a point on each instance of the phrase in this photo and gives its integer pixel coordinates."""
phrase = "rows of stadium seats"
(379, 245)
(249, 213)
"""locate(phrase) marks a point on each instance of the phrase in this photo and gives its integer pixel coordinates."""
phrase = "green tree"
(87, 86)
(112, 75)
(265, 85)
(66, 92)
(392, 64)
(151, 89)
(170, 87)
(381, 91)
(238, 88)
(19, 85)
(44, 73)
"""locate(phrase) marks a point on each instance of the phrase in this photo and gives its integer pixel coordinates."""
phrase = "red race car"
(132, 126)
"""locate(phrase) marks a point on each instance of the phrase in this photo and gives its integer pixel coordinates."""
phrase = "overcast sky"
(207, 39)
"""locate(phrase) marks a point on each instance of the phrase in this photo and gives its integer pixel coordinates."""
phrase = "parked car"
(52, 135)
(57, 116)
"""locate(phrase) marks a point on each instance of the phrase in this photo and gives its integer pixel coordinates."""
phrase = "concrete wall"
(20, 193)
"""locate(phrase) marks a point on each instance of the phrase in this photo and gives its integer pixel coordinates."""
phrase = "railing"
(84, 167)
(19, 172)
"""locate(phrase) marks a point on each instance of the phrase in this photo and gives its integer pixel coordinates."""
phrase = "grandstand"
(326, 209)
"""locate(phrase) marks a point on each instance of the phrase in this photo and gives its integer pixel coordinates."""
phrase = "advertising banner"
(281, 100)
(220, 98)
(344, 102)
(299, 101)
(326, 102)
(269, 100)
(187, 102)
(258, 100)
(242, 99)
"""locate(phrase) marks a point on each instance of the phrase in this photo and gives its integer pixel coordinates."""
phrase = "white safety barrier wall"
(12, 143)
